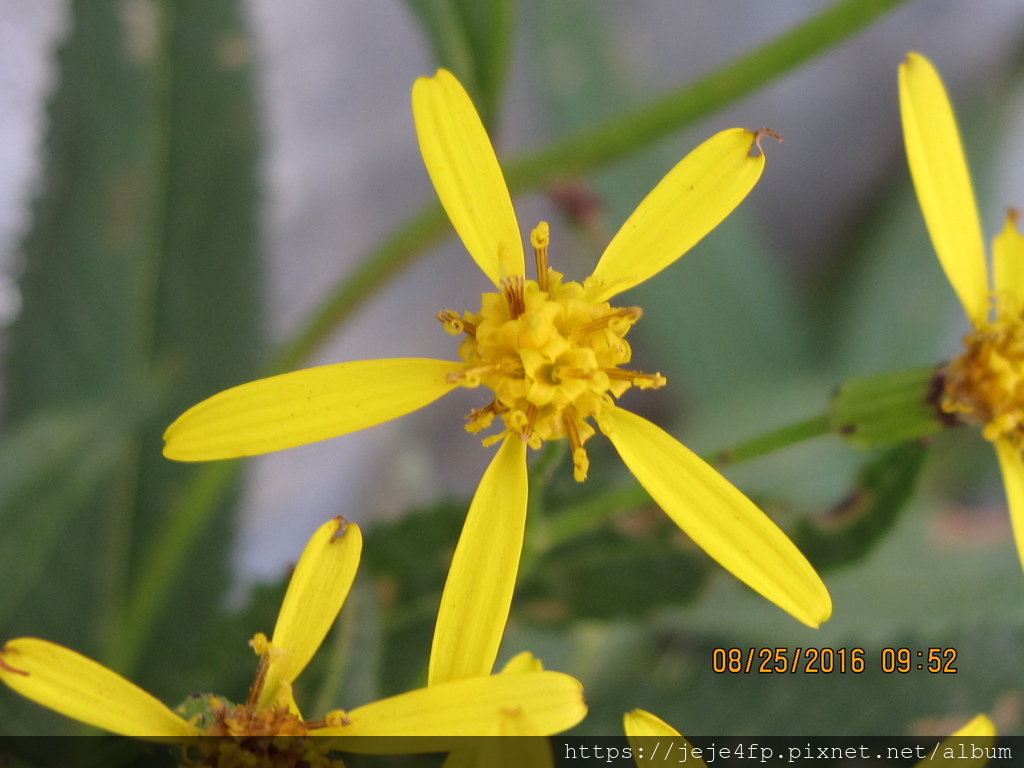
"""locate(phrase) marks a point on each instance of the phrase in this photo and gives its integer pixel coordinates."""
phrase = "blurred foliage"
(473, 40)
(857, 523)
(141, 295)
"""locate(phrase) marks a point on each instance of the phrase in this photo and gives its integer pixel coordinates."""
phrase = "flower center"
(264, 738)
(253, 736)
(987, 381)
(243, 720)
(550, 355)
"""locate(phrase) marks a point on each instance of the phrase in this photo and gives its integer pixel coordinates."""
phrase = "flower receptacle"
(891, 408)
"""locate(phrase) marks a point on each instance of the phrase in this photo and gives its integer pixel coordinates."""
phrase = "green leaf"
(140, 296)
(49, 467)
(639, 563)
(408, 559)
(881, 492)
(473, 40)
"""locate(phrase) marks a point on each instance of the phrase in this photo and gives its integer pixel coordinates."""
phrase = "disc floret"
(271, 737)
(549, 353)
(986, 383)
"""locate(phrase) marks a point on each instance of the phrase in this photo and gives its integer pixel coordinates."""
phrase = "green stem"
(586, 151)
(186, 520)
(623, 135)
(386, 261)
(114, 565)
(124, 509)
(773, 441)
(582, 518)
(541, 470)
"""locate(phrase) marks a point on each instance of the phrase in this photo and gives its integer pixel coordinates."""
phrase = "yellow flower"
(986, 383)
(550, 351)
(523, 698)
(644, 730)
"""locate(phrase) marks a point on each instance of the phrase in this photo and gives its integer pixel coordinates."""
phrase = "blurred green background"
(204, 175)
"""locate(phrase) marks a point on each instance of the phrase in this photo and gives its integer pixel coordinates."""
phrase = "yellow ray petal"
(1008, 265)
(645, 731)
(305, 406)
(80, 688)
(517, 752)
(522, 662)
(943, 184)
(477, 706)
(685, 205)
(478, 592)
(316, 592)
(978, 733)
(1013, 479)
(979, 726)
(642, 723)
(720, 519)
(466, 175)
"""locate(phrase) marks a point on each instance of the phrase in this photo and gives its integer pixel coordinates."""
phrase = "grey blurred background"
(342, 168)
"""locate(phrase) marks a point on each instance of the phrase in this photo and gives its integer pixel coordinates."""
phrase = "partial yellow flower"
(644, 731)
(552, 352)
(985, 384)
(641, 726)
(69, 683)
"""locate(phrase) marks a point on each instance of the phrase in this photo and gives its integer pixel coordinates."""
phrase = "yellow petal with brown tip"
(692, 199)
(316, 592)
(82, 689)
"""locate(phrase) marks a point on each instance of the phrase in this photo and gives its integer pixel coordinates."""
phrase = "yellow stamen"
(481, 418)
(637, 379)
(470, 377)
(455, 325)
(531, 419)
(513, 289)
(581, 464)
(336, 718)
(539, 239)
(612, 320)
(262, 646)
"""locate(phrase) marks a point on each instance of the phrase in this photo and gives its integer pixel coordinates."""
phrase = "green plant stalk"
(591, 514)
(580, 153)
(621, 136)
(114, 565)
(115, 606)
(386, 261)
(584, 152)
(186, 520)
